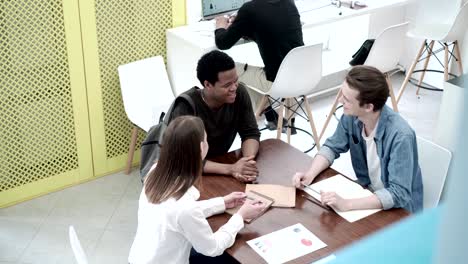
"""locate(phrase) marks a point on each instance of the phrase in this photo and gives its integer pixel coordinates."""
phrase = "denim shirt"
(398, 154)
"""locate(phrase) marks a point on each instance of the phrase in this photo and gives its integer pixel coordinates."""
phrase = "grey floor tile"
(52, 245)
(125, 216)
(91, 210)
(35, 210)
(15, 237)
(113, 247)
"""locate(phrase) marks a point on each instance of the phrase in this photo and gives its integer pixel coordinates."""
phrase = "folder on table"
(284, 196)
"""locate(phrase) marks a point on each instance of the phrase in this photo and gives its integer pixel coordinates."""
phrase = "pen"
(316, 202)
(317, 192)
(310, 188)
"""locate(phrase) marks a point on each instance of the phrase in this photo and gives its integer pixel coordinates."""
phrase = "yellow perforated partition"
(62, 119)
(44, 143)
(117, 32)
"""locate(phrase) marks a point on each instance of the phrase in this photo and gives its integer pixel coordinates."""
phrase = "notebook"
(345, 188)
(253, 195)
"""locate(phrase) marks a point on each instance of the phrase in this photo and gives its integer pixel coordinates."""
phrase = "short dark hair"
(180, 161)
(211, 64)
(371, 85)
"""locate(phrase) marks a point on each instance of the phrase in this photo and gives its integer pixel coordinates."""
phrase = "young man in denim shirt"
(382, 145)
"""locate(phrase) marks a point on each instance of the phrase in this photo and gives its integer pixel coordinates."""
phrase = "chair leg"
(392, 94)
(410, 72)
(280, 119)
(261, 106)
(459, 60)
(446, 66)
(426, 62)
(332, 110)
(131, 150)
(288, 118)
(312, 124)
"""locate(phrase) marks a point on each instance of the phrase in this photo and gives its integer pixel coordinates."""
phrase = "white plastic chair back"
(443, 21)
(299, 73)
(76, 247)
(387, 48)
(146, 91)
(434, 161)
(459, 26)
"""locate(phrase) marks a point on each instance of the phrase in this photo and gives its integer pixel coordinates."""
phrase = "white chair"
(384, 55)
(446, 32)
(434, 161)
(146, 93)
(80, 256)
(297, 77)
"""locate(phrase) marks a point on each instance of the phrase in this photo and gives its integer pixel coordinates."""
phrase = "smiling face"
(224, 90)
(351, 104)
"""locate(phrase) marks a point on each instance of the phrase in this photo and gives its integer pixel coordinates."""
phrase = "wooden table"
(277, 163)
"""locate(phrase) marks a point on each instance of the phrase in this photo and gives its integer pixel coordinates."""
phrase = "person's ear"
(207, 84)
(369, 108)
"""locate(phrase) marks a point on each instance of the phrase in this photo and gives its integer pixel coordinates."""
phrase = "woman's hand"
(234, 199)
(251, 209)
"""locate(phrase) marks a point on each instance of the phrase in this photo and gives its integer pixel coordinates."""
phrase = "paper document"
(345, 188)
(284, 196)
(286, 244)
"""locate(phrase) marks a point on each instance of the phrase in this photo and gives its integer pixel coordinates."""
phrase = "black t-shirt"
(223, 124)
(274, 25)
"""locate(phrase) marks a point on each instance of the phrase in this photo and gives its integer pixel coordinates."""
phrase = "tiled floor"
(104, 211)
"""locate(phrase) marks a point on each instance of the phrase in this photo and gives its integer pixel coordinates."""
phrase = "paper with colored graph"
(286, 244)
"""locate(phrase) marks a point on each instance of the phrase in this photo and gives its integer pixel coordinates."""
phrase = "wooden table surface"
(277, 163)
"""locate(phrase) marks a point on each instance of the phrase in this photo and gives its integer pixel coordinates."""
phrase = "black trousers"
(197, 258)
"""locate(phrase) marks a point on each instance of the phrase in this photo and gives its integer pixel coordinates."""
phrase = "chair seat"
(437, 32)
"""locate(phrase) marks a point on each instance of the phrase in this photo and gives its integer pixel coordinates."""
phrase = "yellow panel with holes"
(44, 143)
(62, 120)
(115, 33)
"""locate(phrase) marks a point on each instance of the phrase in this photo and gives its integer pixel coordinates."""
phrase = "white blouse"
(167, 231)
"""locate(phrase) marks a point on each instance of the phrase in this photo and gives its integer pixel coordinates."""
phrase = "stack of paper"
(286, 244)
(345, 188)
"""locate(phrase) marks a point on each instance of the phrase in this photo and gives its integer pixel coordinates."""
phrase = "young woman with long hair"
(170, 219)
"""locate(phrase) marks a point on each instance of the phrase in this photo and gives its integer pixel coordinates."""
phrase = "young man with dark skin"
(382, 145)
(225, 108)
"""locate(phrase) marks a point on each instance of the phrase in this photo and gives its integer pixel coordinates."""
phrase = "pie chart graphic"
(306, 242)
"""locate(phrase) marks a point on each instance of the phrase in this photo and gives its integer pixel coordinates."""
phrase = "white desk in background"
(341, 30)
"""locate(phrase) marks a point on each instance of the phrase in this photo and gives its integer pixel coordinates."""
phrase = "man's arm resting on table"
(250, 147)
(370, 202)
(218, 168)
(244, 169)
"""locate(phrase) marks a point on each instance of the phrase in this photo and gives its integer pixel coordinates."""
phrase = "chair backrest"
(387, 48)
(299, 73)
(76, 246)
(436, 11)
(434, 161)
(459, 25)
(146, 90)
